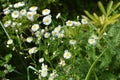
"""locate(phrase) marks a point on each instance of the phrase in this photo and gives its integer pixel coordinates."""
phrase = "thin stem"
(92, 66)
(5, 30)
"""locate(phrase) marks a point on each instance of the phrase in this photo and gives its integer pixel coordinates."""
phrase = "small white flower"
(72, 42)
(67, 54)
(16, 5)
(21, 4)
(47, 20)
(23, 12)
(44, 73)
(69, 23)
(44, 70)
(37, 33)
(10, 5)
(47, 35)
(30, 16)
(104, 33)
(7, 23)
(84, 21)
(33, 8)
(55, 33)
(60, 35)
(62, 62)
(15, 14)
(58, 15)
(32, 50)
(35, 27)
(94, 36)
(41, 60)
(6, 11)
(46, 11)
(58, 28)
(77, 23)
(10, 41)
(92, 41)
(29, 39)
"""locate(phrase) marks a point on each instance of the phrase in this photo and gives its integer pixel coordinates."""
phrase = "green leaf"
(10, 68)
(8, 57)
(2, 74)
(101, 7)
(109, 8)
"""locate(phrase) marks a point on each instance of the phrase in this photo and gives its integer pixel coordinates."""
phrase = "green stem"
(102, 31)
(5, 30)
(28, 74)
(92, 66)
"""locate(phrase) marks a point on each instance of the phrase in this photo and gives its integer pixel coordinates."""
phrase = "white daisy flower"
(7, 23)
(58, 15)
(47, 35)
(23, 12)
(46, 12)
(33, 8)
(35, 27)
(29, 39)
(72, 42)
(55, 33)
(10, 41)
(94, 36)
(16, 5)
(58, 28)
(47, 20)
(60, 35)
(21, 4)
(92, 41)
(30, 16)
(33, 50)
(77, 23)
(6, 11)
(15, 14)
(84, 21)
(67, 54)
(41, 60)
(62, 62)
(69, 23)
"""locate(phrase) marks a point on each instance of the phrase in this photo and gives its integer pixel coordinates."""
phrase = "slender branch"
(92, 66)
(5, 30)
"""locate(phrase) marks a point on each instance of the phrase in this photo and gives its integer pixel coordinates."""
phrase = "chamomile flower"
(47, 35)
(46, 12)
(92, 41)
(60, 35)
(21, 4)
(67, 54)
(35, 27)
(33, 8)
(15, 14)
(10, 41)
(58, 28)
(6, 11)
(23, 12)
(62, 62)
(30, 16)
(84, 21)
(69, 23)
(41, 60)
(47, 20)
(29, 39)
(77, 23)
(44, 70)
(16, 5)
(72, 42)
(54, 33)
(94, 36)
(7, 23)
(33, 50)
(58, 15)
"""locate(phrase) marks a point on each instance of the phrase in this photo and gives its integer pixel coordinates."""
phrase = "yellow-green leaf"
(109, 8)
(101, 7)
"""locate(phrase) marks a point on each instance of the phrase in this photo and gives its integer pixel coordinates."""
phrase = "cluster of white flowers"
(33, 50)
(52, 75)
(44, 70)
(93, 39)
(48, 18)
(57, 32)
(19, 4)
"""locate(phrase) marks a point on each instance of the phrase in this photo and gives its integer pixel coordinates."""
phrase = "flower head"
(58, 15)
(23, 12)
(46, 11)
(20, 4)
(47, 35)
(41, 60)
(29, 39)
(92, 41)
(47, 20)
(84, 21)
(7, 23)
(72, 42)
(15, 14)
(67, 54)
(30, 16)
(35, 27)
(33, 8)
(69, 23)
(10, 41)
(32, 50)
